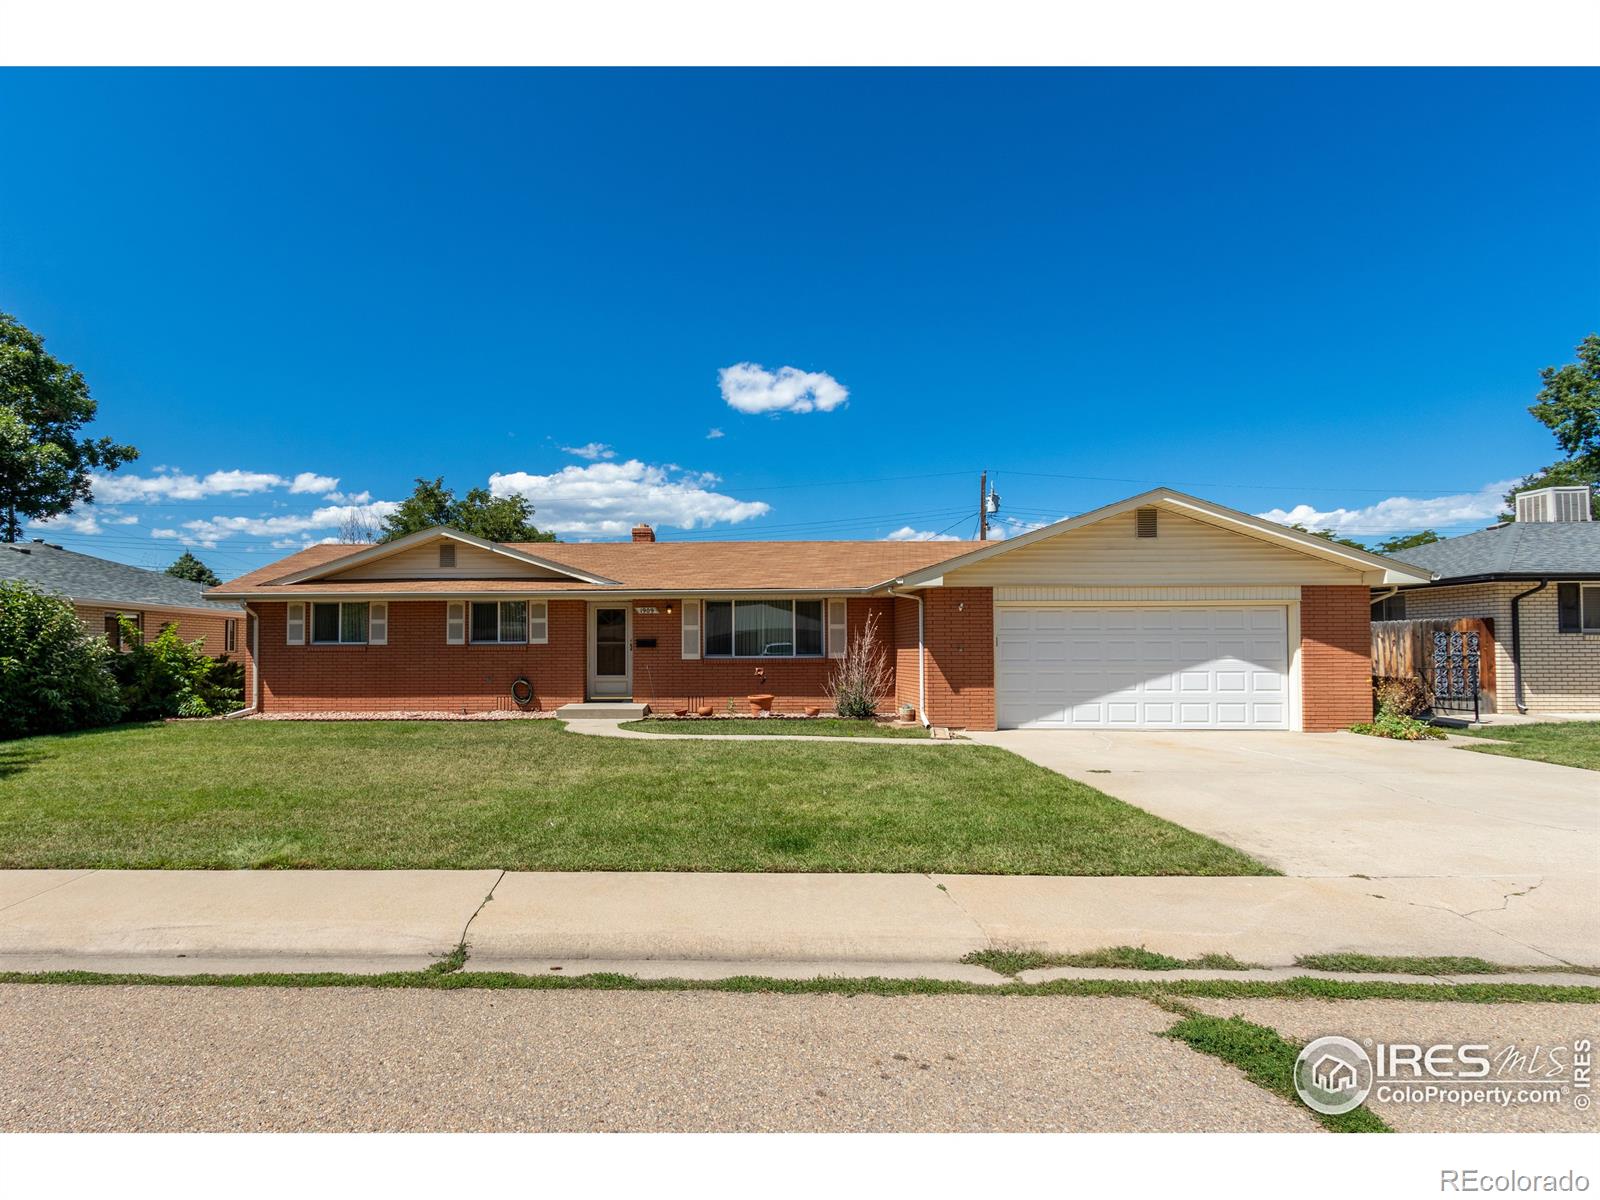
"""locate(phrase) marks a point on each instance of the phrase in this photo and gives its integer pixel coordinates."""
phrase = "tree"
(44, 403)
(191, 568)
(1394, 545)
(1329, 535)
(55, 675)
(1569, 406)
(357, 528)
(495, 518)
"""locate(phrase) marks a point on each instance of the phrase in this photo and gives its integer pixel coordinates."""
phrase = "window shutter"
(378, 623)
(295, 625)
(538, 621)
(1568, 619)
(691, 629)
(838, 635)
(455, 622)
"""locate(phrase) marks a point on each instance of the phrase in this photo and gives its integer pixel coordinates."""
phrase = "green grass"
(1014, 962)
(1565, 743)
(441, 977)
(527, 795)
(813, 727)
(1415, 965)
(1267, 1060)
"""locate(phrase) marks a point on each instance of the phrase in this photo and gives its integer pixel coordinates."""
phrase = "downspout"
(922, 674)
(255, 665)
(1516, 642)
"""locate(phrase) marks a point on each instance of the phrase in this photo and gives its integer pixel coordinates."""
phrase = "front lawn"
(804, 726)
(527, 795)
(1566, 743)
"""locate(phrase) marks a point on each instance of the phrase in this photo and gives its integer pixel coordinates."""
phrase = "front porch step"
(603, 710)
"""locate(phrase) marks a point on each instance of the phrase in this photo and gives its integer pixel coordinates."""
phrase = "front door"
(610, 656)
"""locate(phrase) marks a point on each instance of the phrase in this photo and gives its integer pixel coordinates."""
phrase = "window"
(1390, 608)
(763, 629)
(1591, 608)
(230, 636)
(500, 621)
(114, 628)
(335, 624)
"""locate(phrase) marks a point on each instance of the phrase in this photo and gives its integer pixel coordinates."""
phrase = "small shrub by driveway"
(527, 795)
(803, 727)
(1566, 743)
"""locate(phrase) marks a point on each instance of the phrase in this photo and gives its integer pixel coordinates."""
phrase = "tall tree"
(1569, 406)
(187, 566)
(44, 462)
(1424, 537)
(495, 518)
(1329, 535)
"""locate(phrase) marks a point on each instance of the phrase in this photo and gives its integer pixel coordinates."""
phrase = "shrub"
(1405, 696)
(1391, 724)
(54, 674)
(169, 677)
(862, 679)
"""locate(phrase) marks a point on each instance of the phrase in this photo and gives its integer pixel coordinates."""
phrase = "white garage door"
(1142, 668)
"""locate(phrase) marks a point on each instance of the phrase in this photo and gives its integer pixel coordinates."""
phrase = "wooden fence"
(1404, 649)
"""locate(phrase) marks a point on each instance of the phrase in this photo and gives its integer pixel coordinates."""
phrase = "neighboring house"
(1161, 611)
(102, 591)
(1538, 580)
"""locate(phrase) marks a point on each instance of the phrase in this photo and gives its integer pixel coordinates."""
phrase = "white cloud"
(87, 522)
(1400, 514)
(907, 534)
(348, 497)
(751, 388)
(607, 499)
(713, 434)
(211, 531)
(593, 451)
(170, 484)
(307, 482)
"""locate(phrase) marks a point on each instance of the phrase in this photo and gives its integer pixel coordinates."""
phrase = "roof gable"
(364, 564)
(1382, 569)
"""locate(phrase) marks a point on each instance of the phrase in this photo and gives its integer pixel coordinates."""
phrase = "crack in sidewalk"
(462, 951)
(1505, 903)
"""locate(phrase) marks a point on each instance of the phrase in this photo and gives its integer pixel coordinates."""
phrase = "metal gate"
(1452, 674)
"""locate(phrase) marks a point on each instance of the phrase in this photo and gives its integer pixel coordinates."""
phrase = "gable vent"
(1144, 522)
(447, 554)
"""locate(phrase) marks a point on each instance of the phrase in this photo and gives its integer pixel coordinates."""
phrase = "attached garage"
(1167, 667)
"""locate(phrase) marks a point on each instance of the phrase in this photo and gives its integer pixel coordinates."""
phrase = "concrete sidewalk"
(179, 922)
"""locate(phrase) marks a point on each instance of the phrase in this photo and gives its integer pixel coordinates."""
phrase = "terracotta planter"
(813, 711)
(680, 712)
(761, 703)
(705, 710)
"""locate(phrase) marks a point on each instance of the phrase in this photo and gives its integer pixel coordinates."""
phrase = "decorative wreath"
(522, 691)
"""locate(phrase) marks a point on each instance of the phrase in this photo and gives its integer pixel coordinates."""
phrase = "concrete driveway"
(1340, 804)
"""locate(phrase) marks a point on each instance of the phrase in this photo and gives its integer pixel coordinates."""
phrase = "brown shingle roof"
(649, 566)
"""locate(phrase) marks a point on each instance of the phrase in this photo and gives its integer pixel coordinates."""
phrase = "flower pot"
(705, 710)
(812, 711)
(761, 703)
(680, 712)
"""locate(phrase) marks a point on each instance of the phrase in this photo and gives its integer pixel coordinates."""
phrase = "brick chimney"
(643, 533)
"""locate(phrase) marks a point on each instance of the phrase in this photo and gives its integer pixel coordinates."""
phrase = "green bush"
(1392, 724)
(54, 675)
(169, 677)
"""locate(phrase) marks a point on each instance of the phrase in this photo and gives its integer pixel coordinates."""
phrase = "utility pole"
(983, 507)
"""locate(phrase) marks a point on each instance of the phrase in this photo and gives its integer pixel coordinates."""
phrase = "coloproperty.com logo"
(1336, 1074)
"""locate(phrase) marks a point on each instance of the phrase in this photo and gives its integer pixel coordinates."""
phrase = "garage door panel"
(1130, 668)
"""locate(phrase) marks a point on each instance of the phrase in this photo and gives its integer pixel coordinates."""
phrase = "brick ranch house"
(1159, 611)
(1537, 582)
(101, 591)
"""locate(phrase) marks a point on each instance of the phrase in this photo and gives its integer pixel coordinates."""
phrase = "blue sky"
(1272, 288)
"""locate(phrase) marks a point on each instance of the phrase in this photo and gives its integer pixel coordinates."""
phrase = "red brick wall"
(958, 632)
(1335, 656)
(416, 670)
(665, 680)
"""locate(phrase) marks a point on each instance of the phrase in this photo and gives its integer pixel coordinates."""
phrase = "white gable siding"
(1185, 552)
(422, 562)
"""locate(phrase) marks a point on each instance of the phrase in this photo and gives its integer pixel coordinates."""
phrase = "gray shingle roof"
(1522, 549)
(81, 576)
